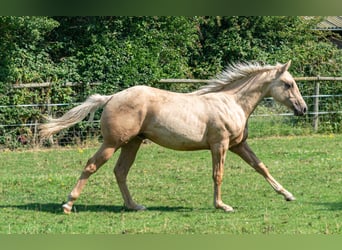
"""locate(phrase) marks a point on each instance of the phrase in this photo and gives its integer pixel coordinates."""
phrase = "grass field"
(176, 187)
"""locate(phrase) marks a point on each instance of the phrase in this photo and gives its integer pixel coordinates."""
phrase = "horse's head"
(284, 89)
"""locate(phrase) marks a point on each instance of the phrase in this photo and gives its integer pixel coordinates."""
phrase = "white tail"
(73, 116)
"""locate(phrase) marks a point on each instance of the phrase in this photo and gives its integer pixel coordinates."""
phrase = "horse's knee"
(90, 168)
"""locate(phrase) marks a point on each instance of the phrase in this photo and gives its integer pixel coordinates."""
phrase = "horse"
(213, 117)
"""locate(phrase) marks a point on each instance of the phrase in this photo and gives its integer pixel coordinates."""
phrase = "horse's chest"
(227, 125)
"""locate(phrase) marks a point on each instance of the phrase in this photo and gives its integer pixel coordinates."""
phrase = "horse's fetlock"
(73, 196)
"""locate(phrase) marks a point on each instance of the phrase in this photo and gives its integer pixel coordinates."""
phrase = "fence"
(27, 133)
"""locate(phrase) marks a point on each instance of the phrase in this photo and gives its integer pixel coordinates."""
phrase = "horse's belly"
(177, 138)
(178, 144)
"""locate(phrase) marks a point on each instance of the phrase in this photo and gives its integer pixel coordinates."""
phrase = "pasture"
(177, 189)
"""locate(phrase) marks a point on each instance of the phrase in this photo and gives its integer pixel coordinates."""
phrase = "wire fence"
(323, 109)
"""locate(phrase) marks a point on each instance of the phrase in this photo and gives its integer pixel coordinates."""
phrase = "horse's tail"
(73, 116)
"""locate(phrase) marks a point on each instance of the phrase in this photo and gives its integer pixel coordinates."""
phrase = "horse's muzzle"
(300, 109)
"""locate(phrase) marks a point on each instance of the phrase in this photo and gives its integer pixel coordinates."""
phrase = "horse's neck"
(249, 93)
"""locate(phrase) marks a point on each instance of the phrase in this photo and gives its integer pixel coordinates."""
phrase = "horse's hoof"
(139, 208)
(226, 208)
(66, 209)
(290, 198)
(136, 208)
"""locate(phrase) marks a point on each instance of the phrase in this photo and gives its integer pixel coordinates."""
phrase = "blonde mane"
(231, 74)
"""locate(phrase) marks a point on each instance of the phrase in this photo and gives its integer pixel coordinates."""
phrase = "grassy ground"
(176, 187)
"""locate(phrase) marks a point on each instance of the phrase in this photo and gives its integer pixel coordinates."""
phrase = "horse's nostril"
(304, 110)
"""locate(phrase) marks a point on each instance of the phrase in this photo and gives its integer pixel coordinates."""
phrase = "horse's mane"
(232, 73)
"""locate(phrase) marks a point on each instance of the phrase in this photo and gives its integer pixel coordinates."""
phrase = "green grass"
(279, 126)
(177, 189)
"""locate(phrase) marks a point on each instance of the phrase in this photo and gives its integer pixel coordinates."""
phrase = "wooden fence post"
(316, 106)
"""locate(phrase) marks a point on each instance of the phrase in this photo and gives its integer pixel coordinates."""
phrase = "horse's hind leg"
(246, 153)
(93, 164)
(124, 163)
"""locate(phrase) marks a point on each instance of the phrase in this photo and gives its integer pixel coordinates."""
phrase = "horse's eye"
(287, 85)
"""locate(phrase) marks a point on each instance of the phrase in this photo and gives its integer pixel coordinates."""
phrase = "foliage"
(22, 46)
(124, 51)
(268, 40)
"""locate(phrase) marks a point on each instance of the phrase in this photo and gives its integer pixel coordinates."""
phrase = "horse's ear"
(285, 67)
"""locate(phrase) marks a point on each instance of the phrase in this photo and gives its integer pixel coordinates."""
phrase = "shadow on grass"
(332, 206)
(56, 208)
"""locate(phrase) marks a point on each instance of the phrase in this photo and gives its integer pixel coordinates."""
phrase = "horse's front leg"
(246, 153)
(218, 152)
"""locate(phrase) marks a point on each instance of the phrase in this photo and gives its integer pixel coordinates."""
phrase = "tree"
(124, 51)
(22, 48)
(265, 39)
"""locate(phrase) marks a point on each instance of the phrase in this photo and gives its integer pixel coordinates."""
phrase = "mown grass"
(176, 187)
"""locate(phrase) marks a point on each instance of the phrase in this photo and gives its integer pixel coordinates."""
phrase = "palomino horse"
(213, 118)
